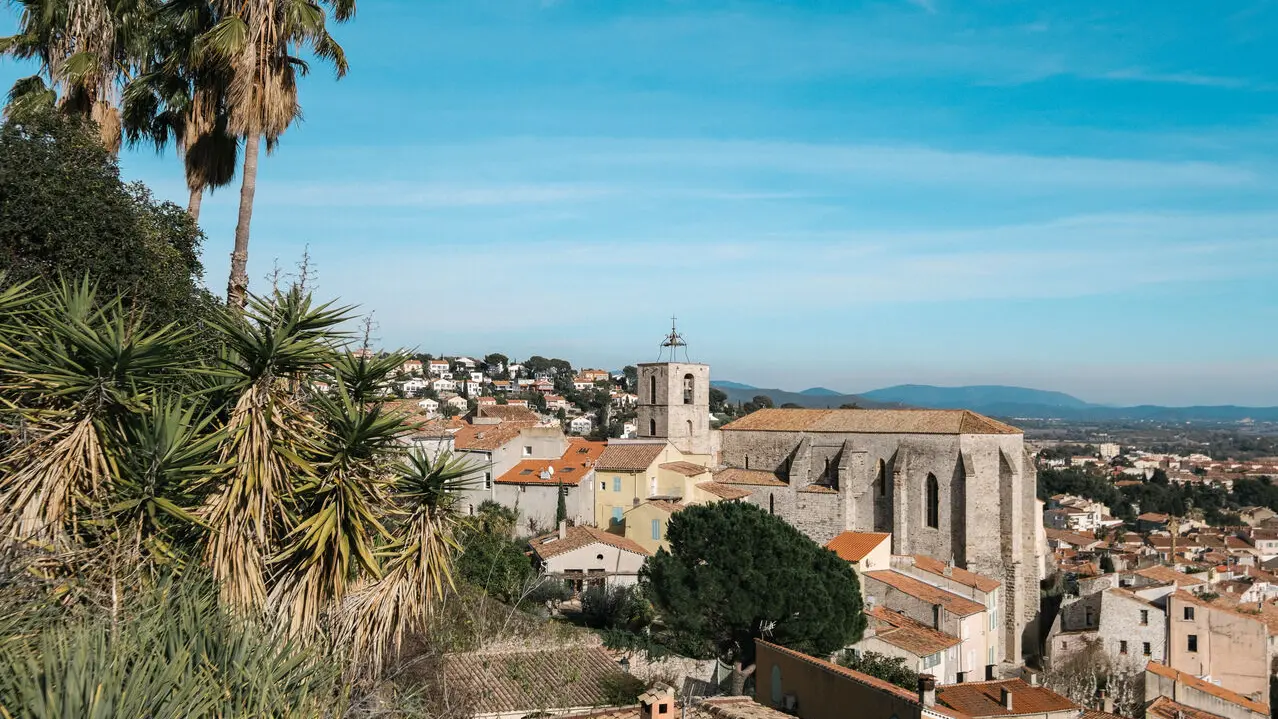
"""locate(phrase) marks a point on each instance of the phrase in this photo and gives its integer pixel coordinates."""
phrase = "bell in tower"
(674, 397)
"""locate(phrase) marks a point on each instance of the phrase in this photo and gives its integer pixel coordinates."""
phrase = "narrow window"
(1193, 642)
(936, 616)
(1189, 614)
(933, 502)
(772, 504)
(652, 391)
(603, 485)
(689, 428)
(652, 428)
(616, 484)
(1145, 647)
(1144, 617)
(656, 529)
(527, 450)
(488, 480)
(687, 389)
(882, 479)
(1122, 646)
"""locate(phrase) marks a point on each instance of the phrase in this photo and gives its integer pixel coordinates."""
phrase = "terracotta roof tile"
(880, 421)
(1093, 714)
(528, 681)
(570, 469)
(629, 457)
(853, 546)
(687, 469)
(666, 505)
(908, 634)
(487, 437)
(983, 699)
(819, 489)
(550, 545)
(758, 477)
(508, 413)
(932, 565)
(953, 603)
(723, 491)
(1164, 708)
(1159, 573)
(1205, 686)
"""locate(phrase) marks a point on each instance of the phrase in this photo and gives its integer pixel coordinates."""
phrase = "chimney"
(1032, 678)
(949, 567)
(927, 690)
(1107, 703)
(563, 529)
(1005, 695)
(657, 702)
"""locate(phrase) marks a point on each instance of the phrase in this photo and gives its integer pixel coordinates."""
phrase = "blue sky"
(1074, 196)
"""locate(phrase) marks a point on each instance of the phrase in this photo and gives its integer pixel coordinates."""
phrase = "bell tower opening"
(674, 401)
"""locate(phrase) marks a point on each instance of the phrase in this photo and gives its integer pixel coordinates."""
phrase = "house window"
(603, 485)
(933, 502)
(652, 428)
(687, 389)
(989, 655)
(527, 450)
(616, 515)
(1122, 646)
(616, 484)
(1144, 617)
(652, 389)
(936, 616)
(881, 480)
(932, 660)
(656, 529)
(1189, 614)
(1192, 644)
(993, 621)
(488, 480)
(689, 424)
(1145, 648)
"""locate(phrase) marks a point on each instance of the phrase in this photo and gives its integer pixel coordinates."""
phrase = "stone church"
(950, 484)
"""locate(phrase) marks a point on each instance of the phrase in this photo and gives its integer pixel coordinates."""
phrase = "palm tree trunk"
(237, 286)
(193, 207)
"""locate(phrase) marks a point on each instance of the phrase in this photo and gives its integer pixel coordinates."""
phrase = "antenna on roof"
(673, 341)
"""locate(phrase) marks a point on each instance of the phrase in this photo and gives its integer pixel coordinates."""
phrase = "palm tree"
(257, 38)
(85, 49)
(179, 96)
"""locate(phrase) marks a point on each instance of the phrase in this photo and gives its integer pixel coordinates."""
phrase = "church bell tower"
(674, 398)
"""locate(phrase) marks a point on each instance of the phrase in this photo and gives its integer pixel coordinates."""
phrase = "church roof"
(871, 421)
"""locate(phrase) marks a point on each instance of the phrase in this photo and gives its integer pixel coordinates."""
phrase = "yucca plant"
(76, 371)
(375, 619)
(271, 435)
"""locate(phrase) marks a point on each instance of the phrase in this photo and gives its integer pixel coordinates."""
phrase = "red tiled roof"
(687, 469)
(758, 477)
(487, 437)
(932, 565)
(1159, 573)
(630, 457)
(877, 421)
(853, 546)
(1164, 708)
(550, 545)
(819, 489)
(953, 603)
(908, 634)
(508, 412)
(528, 681)
(1206, 687)
(570, 469)
(983, 699)
(723, 491)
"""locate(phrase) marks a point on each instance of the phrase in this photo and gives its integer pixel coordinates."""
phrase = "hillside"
(973, 397)
(738, 392)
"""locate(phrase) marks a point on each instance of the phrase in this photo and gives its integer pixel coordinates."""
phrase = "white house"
(412, 386)
(588, 556)
(473, 388)
(554, 402)
(477, 377)
(466, 362)
(437, 367)
(458, 403)
(581, 425)
(517, 403)
(444, 385)
(486, 401)
(411, 367)
(430, 406)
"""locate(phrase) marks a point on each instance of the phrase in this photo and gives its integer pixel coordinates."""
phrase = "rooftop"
(630, 457)
(871, 421)
(1164, 708)
(1205, 686)
(1159, 573)
(507, 413)
(723, 491)
(487, 437)
(570, 469)
(687, 469)
(983, 699)
(550, 545)
(932, 565)
(757, 477)
(854, 546)
(953, 603)
(713, 708)
(527, 681)
(908, 634)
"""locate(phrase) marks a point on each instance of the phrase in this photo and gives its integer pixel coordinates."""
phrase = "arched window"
(881, 479)
(689, 423)
(652, 428)
(933, 501)
(652, 389)
(826, 472)
(687, 389)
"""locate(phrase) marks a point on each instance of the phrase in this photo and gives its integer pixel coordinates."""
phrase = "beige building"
(1176, 695)
(587, 555)
(924, 649)
(865, 551)
(1218, 642)
(1007, 698)
(944, 611)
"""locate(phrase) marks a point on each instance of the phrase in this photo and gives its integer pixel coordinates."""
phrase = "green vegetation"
(889, 669)
(715, 597)
(1218, 506)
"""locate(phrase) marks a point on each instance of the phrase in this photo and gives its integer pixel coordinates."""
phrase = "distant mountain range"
(999, 401)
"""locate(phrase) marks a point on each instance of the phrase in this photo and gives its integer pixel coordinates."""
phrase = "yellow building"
(632, 475)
